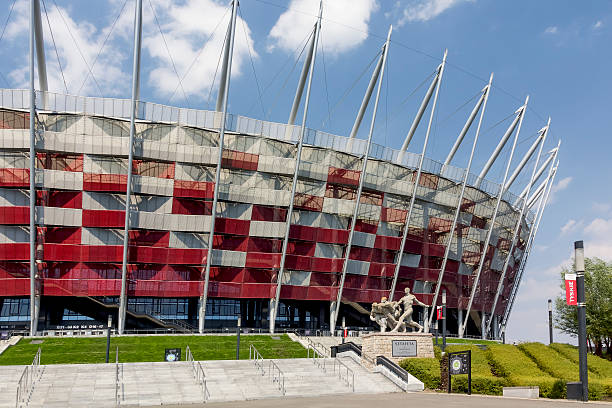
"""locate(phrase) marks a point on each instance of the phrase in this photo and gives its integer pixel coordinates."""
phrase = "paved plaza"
(420, 400)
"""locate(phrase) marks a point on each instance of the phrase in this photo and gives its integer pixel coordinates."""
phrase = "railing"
(318, 358)
(344, 347)
(257, 359)
(118, 379)
(393, 368)
(277, 376)
(25, 386)
(344, 373)
(198, 374)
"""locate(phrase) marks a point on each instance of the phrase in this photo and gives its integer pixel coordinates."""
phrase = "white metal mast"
(226, 81)
(481, 102)
(485, 247)
(335, 307)
(128, 193)
(437, 81)
(310, 63)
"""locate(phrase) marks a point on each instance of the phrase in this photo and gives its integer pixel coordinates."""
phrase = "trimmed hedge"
(519, 370)
(426, 370)
(488, 385)
(565, 369)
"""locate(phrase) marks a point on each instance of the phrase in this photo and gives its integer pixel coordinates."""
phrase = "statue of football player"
(385, 314)
(405, 320)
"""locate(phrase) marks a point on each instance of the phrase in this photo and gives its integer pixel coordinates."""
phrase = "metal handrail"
(393, 367)
(26, 382)
(118, 379)
(318, 358)
(200, 377)
(277, 376)
(257, 359)
(349, 378)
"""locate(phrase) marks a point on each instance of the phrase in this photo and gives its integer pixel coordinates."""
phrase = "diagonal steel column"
(128, 193)
(366, 99)
(543, 167)
(420, 112)
(40, 50)
(467, 125)
(334, 317)
(34, 299)
(523, 263)
(305, 71)
(417, 178)
(500, 284)
(226, 76)
(485, 247)
(525, 159)
(281, 270)
(482, 102)
(498, 149)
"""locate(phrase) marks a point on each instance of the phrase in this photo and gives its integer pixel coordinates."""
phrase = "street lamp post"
(444, 320)
(238, 339)
(108, 334)
(550, 322)
(582, 346)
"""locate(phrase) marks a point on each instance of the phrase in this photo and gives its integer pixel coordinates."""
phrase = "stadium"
(167, 217)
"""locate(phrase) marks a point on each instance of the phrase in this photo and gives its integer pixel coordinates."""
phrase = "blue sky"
(555, 51)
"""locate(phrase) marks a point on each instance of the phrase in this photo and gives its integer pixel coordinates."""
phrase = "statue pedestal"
(396, 346)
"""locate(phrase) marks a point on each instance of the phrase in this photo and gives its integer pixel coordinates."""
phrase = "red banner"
(570, 289)
(345, 333)
(440, 312)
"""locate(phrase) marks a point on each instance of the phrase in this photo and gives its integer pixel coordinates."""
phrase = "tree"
(598, 295)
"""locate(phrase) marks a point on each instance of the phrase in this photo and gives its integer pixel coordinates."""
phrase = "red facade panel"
(15, 178)
(15, 215)
(103, 218)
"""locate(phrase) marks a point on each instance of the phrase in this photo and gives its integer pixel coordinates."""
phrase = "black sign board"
(460, 362)
(173, 354)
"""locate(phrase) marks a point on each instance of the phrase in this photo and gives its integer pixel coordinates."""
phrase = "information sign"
(404, 348)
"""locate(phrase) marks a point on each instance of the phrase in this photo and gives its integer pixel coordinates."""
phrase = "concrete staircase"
(9, 376)
(148, 384)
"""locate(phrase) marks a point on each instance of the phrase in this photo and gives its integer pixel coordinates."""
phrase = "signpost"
(460, 362)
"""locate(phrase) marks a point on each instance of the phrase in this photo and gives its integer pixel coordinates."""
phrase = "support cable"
(325, 76)
(275, 100)
(93, 65)
(278, 72)
(78, 49)
(212, 84)
(246, 39)
(169, 54)
(396, 112)
(350, 88)
(197, 57)
(2, 36)
(55, 47)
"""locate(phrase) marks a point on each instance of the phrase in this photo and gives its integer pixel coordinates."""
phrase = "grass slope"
(148, 348)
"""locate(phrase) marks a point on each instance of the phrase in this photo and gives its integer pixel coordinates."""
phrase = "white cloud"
(186, 27)
(560, 186)
(599, 24)
(66, 31)
(551, 30)
(422, 10)
(570, 226)
(344, 26)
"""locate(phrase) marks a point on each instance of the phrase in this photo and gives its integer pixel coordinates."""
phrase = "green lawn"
(148, 348)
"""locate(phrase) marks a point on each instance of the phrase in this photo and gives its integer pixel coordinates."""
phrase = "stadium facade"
(288, 248)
